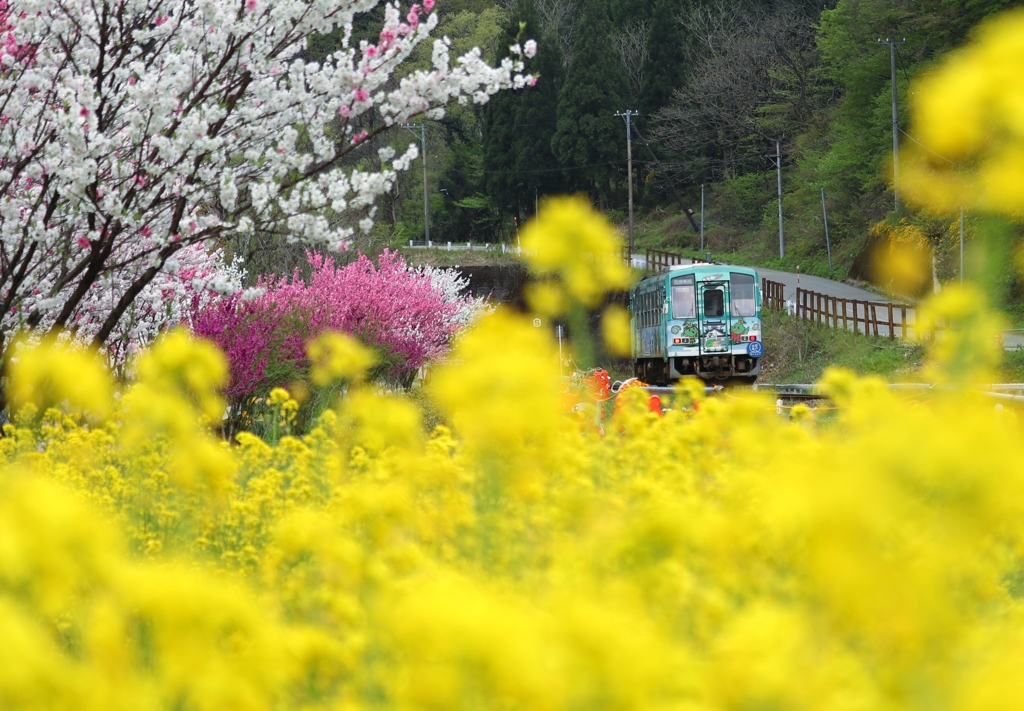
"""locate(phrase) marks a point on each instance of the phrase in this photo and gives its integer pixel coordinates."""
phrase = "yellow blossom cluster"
(716, 558)
(719, 557)
(968, 119)
(576, 254)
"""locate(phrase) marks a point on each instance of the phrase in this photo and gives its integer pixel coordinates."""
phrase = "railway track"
(808, 391)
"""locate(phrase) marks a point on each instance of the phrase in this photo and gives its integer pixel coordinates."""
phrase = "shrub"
(408, 316)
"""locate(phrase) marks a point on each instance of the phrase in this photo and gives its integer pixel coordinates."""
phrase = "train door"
(714, 316)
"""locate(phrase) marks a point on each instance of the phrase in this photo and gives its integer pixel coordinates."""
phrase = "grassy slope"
(798, 351)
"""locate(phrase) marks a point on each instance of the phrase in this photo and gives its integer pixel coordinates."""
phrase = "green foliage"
(1013, 367)
(665, 69)
(798, 351)
(588, 140)
(518, 126)
(746, 197)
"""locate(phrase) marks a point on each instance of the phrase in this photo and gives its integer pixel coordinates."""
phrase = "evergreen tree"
(624, 12)
(665, 69)
(589, 139)
(499, 132)
(519, 162)
(535, 163)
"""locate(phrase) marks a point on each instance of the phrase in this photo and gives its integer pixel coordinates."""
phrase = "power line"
(937, 155)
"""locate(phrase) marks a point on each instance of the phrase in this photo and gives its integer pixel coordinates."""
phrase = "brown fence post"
(892, 328)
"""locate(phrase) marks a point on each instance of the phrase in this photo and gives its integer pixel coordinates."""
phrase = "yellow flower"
(181, 364)
(963, 337)
(338, 356)
(51, 373)
(615, 331)
(546, 298)
(502, 386)
(968, 111)
(573, 241)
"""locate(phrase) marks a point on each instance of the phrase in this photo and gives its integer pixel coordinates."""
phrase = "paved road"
(818, 284)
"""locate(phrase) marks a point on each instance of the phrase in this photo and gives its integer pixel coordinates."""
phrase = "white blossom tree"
(131, 130)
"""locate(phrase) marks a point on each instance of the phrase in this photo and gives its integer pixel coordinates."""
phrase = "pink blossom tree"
(407, 315)
(131, 130)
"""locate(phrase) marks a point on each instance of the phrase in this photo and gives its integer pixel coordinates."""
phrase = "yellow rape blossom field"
(718, 558)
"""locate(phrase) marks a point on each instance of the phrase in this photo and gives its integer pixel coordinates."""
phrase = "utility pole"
(423, 143)
(895, 122)
(629, 160)
(778, 168)
(824, 215)
(702, 218)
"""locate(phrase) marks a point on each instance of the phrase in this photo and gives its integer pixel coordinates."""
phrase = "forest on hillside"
(715, 90)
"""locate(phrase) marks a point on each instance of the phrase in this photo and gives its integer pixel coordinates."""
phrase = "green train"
(702, 320)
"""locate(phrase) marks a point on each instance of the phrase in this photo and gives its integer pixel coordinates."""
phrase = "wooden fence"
(871, 318)
(657, 260)
(772, 294)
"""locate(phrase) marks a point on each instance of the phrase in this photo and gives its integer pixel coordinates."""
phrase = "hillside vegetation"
(714, 88)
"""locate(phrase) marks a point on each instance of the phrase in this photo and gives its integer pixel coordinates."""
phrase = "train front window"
(714, 303)
(741, 292)
(684, 302)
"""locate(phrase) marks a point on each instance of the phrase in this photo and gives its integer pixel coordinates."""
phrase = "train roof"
(702, 268)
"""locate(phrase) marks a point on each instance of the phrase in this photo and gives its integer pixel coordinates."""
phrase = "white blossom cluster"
(452, 285)
(190, 279)
(132, 129)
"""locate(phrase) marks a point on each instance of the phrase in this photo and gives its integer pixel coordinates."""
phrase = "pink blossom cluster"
(9, 44)
(398, 311)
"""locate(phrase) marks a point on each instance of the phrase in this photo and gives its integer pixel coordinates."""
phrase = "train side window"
(714, 303)
(684, 301)
(741, 295)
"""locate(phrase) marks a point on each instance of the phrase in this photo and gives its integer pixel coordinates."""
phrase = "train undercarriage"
(710, 368)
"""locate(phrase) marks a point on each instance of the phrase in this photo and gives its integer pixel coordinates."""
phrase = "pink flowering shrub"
(398, 311)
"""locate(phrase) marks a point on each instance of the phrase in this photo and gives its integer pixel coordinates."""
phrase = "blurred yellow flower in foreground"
(969, 114)
(52, 374)
(502, 385)
(573, 241)
(338, 356)
(966, 348)
(183, 365)
(615, 330)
